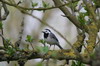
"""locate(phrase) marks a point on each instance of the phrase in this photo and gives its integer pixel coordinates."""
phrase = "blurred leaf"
(75, 4)
(54, 54)
(73, 63)
(77, 63)
(81, 18)
(1, 24)
(97, 2)
(42, 41)
(45, 49)
(34, 4)
(29, 38)
(10, 51)
(7, 43)
(92, 55)
(87, 12)
(40, 64)
(8, 40)
(45, 5)
(42, 49)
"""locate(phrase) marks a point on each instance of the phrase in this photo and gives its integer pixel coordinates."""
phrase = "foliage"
(70, 9)
(9, 48)
(77, 63)
(81, 18)
(1, 25)
(40, 64)
(45, 5)
(42, 41)
(34, 4)
(43, 50)
(29, 39)
(10, 51)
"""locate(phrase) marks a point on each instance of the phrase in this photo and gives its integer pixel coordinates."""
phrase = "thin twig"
(20, 34)
(9, 43)
(31, 45)
(6, 12)
(40, 8)
(98, 40)
(1, 28)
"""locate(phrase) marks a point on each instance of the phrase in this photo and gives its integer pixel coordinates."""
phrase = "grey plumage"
(50, 38)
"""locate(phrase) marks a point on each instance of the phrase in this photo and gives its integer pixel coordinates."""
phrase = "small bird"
(50, 38)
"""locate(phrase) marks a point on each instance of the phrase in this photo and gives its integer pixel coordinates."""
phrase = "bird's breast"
(51, 41)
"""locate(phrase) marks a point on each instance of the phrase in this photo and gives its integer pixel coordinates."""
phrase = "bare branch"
(68, 14)
(6, 12)
(40, 8)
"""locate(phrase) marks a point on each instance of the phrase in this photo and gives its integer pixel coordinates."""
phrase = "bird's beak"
(42, 31)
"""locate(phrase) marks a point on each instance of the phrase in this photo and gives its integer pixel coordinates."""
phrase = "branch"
(40, 8)
(97, 3)
(17, 43)
(91, 9)
(68, 14)
(92, 31)
(59, 5)
(79, 43)
(61, 55)
(25, 12)
(6, 12)
(2, 48)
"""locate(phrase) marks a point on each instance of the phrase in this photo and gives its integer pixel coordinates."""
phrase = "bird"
(50, 38)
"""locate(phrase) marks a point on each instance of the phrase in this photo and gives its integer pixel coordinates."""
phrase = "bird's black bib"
(46, 35)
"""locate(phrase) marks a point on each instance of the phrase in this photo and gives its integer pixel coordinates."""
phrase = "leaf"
(40, 64)
(92, 55)
(45, 49)
(45, 5)
(75, 4)
(10, 51)
(1, 25)
(77, 63)
(81, 18)
(34, 4)
(42, 49)
(29, 38)
(42, 41)
(73, 63)
(7, 43)
(54, 54)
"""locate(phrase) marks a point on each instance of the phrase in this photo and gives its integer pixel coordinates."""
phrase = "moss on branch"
(59, 54)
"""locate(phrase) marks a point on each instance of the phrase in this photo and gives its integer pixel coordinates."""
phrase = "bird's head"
(46, 31)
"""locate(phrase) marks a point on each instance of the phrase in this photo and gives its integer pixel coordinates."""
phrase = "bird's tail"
(67, 61)
(59, 46)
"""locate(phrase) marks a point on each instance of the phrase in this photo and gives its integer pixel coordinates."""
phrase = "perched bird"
(50, 38)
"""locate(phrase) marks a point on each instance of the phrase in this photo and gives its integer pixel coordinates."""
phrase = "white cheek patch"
(47, 32)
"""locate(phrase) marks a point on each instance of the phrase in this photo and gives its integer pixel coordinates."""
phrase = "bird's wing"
(53, 36)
